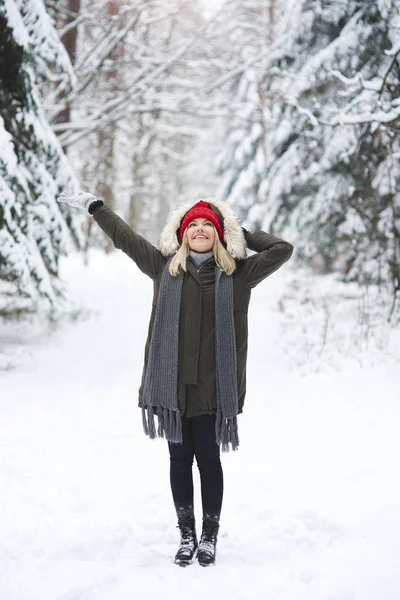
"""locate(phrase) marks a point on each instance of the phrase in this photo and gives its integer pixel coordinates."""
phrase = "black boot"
(186, 525)
(208, 541)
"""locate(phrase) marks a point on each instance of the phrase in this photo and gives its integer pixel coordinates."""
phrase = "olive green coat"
(196, 368)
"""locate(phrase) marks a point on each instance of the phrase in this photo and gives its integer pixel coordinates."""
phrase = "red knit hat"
(201, 209)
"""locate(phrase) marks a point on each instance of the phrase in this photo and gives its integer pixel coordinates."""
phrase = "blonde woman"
(194, 375)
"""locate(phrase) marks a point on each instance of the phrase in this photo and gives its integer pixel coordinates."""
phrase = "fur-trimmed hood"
(233, 234)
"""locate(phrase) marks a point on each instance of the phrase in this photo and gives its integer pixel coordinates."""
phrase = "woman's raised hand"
(80, 200)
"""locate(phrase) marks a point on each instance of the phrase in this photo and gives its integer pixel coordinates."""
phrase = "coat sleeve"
(272, 253)
(147, 257)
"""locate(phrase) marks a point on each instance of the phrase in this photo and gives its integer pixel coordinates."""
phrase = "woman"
(194, 375)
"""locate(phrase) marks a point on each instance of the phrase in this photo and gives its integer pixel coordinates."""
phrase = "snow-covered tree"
(33, 168)
(332, 168)
(241, 162)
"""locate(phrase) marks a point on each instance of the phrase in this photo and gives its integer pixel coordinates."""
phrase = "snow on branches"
(33, 168)
(331, 174)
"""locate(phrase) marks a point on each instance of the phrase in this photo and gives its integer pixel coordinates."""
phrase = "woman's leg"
(181, 476)
(208, 460)
(207, 454)
(181, 462)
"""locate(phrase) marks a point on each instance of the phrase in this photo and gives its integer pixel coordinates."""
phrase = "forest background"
(287, 109)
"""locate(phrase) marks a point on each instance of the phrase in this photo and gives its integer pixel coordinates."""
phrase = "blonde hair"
(221, 255)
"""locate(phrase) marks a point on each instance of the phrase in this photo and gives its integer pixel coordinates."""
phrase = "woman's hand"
(80, 200)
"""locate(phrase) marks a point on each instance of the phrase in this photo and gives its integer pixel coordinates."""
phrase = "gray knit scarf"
(160, 389)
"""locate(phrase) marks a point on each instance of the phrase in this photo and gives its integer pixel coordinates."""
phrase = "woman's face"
(201, 235)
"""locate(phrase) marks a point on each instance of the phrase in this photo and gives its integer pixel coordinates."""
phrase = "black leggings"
(198, 441)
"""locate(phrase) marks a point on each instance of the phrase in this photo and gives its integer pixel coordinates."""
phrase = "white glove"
(80, 200)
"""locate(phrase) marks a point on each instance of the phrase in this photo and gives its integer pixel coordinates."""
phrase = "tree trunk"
(69, 41)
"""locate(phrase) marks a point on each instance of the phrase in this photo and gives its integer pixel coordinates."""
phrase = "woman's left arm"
(272, 253)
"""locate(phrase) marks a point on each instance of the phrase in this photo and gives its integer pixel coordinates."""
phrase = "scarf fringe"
(169, 424)
(226, 432)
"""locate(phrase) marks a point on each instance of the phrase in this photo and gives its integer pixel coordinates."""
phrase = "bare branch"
(117, 107)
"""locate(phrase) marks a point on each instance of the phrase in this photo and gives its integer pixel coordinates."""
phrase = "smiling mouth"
(200, 237)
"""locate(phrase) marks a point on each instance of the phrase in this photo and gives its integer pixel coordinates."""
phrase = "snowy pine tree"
(241, 164)
(332, 180)
(33, 168)
(331, 154)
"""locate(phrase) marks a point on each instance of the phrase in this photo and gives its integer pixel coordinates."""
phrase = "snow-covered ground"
(312, 498)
